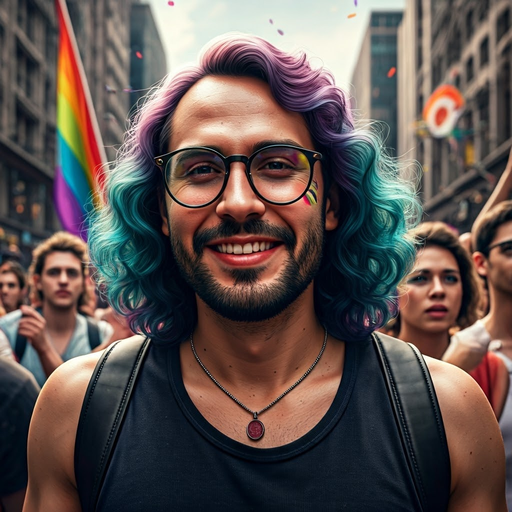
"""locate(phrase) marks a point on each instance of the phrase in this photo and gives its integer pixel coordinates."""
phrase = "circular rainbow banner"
(442, 110)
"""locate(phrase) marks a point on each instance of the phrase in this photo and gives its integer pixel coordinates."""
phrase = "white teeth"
(247, 248)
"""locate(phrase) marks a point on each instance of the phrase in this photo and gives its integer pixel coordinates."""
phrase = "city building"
(147, 59)
(374, 80)
(28, 63)
(472, 51)
(28, 56)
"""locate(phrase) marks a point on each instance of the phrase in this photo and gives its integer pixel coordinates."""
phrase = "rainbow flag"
(80, 151)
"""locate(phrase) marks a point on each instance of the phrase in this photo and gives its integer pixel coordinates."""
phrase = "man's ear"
(481, 263)
(36, 279)
(163, 214)
(332, 208)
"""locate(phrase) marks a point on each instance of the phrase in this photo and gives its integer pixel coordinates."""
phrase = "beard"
(248, 300)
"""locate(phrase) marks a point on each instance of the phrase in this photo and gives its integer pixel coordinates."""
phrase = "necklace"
(255, 428)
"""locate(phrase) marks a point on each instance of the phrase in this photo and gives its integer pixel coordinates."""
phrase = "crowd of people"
(263, 280)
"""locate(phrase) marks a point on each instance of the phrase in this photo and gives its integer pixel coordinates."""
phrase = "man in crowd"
(18, 394)
(492, 240)
(43, 338)
(12, 285)
(257, 238)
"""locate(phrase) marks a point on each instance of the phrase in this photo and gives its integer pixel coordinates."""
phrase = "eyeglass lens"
(196, 176)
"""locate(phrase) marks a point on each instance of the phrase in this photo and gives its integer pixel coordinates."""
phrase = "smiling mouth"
(248, 248)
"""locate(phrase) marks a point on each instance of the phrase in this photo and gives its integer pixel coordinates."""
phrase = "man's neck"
(498, 321)
(269, 353)
(432, 344)
(59, 320)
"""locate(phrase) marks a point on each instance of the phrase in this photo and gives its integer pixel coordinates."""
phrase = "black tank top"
(168, 457)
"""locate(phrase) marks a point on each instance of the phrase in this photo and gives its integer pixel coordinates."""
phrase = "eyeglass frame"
(499, 244)
(312, 156)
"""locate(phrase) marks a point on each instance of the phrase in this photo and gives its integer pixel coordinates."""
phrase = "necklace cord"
(274, 402)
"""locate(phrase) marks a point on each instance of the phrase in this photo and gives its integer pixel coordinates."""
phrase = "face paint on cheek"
(311, 197)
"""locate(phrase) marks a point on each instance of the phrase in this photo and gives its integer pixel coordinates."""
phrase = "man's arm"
(500, 193)
(51, 443)
(33, 326)
(474, 439)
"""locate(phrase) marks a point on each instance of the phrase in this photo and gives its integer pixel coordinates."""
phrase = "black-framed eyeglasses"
(279, 174)
(505, 246)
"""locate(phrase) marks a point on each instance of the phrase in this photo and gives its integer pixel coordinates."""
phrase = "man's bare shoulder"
(52, 434)
(474, 440)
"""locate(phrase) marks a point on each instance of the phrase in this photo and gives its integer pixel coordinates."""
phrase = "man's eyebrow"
(260, 145)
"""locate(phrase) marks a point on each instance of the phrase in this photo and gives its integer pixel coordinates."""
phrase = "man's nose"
(63, 277)
(239, 201)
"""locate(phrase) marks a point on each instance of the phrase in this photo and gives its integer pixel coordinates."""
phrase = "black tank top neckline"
(310, 439)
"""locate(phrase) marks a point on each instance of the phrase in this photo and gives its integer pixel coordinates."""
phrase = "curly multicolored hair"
(365, 257)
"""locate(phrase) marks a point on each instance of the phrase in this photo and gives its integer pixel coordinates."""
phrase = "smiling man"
(257, 238)
(45, 337)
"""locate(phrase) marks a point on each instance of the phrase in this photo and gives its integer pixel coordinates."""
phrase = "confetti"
(353, 15)
(271, 22)
(110, 89)
(391, 72)
(170, 2)
(355, 3)
(280, 32)
(138, 55)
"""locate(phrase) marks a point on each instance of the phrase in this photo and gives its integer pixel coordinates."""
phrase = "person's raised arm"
(474, 440)
(51, 441)
(500, 193)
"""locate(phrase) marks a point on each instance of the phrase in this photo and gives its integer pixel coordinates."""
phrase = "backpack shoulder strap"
(93, 332)
(103, 409)
(419, 419)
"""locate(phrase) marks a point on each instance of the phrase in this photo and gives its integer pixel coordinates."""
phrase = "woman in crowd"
(440, 296)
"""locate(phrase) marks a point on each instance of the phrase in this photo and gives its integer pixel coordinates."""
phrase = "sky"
(321, 28)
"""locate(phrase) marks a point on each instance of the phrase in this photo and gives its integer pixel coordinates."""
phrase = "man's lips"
(243, 246)
(63, 293)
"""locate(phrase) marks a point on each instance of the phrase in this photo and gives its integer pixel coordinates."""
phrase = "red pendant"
(255, 430)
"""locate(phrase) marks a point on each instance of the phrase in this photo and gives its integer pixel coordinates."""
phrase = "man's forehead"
(504, 232)
(8, 277)
(62, 259)
(215, 104)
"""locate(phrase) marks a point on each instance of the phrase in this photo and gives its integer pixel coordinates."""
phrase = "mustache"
(251, 227)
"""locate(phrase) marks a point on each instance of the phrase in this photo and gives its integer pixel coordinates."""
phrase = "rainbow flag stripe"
(80, 152)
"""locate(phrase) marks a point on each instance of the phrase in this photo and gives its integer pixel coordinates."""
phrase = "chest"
(168, 453)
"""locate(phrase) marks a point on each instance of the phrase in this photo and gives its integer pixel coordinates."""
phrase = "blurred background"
(389, 56)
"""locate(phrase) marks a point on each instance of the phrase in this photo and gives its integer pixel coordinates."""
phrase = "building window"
(505, 104)
(484, 9)
(470, 24)
(483, 128)
(469, 70)
(484, 52)
(503, 24)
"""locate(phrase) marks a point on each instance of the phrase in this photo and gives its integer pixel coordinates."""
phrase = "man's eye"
(507, 248)
(451, 279)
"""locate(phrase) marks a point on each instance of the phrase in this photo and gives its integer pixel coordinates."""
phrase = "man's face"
(10, 291)
(497, 267)
(61, 281)
(281, 245)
